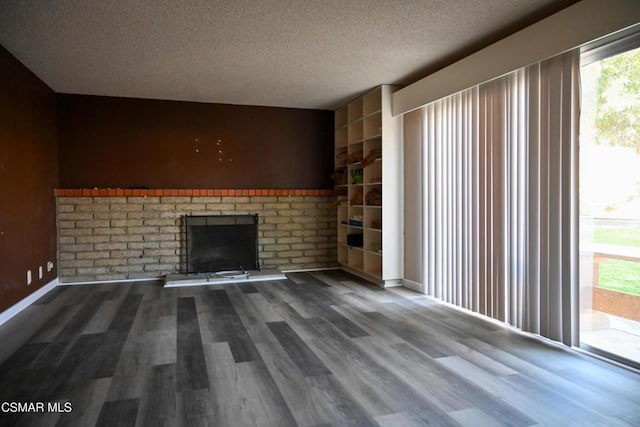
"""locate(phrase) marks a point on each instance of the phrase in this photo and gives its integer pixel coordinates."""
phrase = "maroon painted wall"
(28, 175)
(142, 143)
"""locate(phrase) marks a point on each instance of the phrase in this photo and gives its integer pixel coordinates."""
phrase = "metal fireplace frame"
(202, 220)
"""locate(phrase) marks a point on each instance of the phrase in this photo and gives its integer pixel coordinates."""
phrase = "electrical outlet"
(40, 274)
(28, 277)
(49, 266)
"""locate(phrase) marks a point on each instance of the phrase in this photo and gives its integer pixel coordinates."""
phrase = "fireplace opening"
(222, 243)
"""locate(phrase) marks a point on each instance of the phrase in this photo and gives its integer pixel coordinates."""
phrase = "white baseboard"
(102, 282)
(414, 286)
(27, 301)
(304, 270)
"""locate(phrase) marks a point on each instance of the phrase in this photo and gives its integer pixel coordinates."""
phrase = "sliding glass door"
(610, 202)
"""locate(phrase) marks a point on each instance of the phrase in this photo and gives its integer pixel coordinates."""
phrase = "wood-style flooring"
(318, 349)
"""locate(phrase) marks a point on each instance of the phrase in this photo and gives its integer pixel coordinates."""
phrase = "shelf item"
(357, 220)
(339, 177)
(355, 240)
(356, 175)
(356, 199)
(353, 157)
(368, 148)
(373, 197)
(369, 159)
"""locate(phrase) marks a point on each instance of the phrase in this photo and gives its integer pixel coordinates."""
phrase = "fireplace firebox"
(221, 243)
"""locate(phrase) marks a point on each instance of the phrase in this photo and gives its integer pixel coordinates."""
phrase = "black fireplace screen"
(221, 243)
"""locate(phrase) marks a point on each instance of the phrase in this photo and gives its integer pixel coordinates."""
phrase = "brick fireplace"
(116, 234)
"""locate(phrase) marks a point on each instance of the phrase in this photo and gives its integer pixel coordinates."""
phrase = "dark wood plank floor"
(317, 349)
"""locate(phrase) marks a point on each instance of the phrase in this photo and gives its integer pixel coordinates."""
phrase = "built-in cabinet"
(368, 182)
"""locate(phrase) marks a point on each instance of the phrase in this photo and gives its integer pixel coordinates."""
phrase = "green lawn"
(621, 276)
(618, 275)
(617, 236)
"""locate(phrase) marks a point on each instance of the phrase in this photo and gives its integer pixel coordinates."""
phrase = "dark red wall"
(28, 175)
(138, 143)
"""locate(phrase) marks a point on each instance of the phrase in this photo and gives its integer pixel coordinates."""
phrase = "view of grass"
(619, 275)
(617, 236)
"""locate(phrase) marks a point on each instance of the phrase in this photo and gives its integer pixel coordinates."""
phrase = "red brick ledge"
(120, 192)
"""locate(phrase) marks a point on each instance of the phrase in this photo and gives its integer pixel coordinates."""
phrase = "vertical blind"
(500, 198)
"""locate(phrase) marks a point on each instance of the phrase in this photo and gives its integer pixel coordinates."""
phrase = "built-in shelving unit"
(368, 155)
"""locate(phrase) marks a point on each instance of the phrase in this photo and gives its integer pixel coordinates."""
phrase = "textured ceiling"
(288, 53)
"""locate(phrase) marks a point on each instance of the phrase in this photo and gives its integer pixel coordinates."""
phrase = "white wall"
(413, 200)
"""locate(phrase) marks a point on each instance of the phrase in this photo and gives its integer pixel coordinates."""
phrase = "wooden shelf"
(366, 126)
